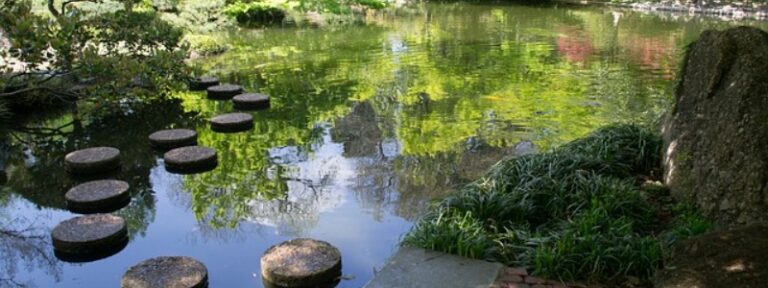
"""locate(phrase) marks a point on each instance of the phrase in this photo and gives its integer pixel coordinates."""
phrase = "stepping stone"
(92, 160)
(203, 82)
(301, 262)
(224, 92)
(232, 122)
(89, 234)
(251, 101)
(190, 159)
(173, 138)
(162, 272)
(98, 196)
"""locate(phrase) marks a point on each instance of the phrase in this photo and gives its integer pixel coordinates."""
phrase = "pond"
(368, 125)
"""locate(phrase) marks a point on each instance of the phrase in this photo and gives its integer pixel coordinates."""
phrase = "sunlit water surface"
(368, 124)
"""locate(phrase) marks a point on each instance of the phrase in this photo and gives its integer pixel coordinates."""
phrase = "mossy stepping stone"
(301, 262)
(224, 92)
(202, 83)
(232, 122)
(190, 159)
(166, 272)
(92, 160)
(173, 138)
(251, 101)
(89, 234)
(98, 196)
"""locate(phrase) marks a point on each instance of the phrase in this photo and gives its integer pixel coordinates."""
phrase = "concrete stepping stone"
(224, 91)
(98, 196)
(173, 138)
(92, 160)
(232, 122)
(251, 101)
(202, 83)
(166, 271)
(89, 234)
(190, 159)
(301, 262)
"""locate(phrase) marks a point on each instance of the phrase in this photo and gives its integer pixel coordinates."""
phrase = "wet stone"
(224, 92)
(232, 122)
(251, 101)
(190, 159)
(89, 234)
(202, 83)
(301, 262)
(173, 138)
(92, 160)
(98, 196)
(166, 272)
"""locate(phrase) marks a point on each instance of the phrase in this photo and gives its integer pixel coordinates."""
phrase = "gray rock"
(166, 272)
(301, 262)
(92, 160)
(232, 122)
(251, 101)
(224, 91)
(173, 138)
(715, 137)
(98, 196)
(89, 234)
(202, 83)
(190, 159)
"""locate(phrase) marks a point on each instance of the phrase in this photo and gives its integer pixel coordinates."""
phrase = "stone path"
(510, 277)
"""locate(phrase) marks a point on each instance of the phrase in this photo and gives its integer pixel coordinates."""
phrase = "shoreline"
(727, 12)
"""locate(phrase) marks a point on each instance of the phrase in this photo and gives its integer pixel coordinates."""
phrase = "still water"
(368, 125)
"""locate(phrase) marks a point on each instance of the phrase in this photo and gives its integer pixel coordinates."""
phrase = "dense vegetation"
(100, 57)
(575, 213)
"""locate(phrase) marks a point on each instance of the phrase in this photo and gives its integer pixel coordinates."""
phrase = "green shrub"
(255, 13)
(575, 213)
(206, 45)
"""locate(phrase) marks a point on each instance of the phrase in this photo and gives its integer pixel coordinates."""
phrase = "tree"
(73, 55)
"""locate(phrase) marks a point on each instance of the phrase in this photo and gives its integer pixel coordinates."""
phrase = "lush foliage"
(71, 55)
(575, 213)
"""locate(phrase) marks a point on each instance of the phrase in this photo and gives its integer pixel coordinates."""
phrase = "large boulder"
(716, 136)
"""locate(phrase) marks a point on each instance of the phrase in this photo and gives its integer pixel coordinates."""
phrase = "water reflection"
(367, 125)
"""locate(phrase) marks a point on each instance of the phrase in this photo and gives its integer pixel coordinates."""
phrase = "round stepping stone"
(92, 160)
(224, 92)
(173, 138)
(162, 272)
(98, 196)
(232, 122)
(202, 83)
(190, 159)
(89, 234)
(251, 101)
(301, 262)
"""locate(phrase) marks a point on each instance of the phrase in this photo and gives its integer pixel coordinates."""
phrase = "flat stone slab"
(98, 196)
(190, 159)
(251, 101)
(224, 91)
(301, 262)
(232, 122)
(92, 160)
(89, 234)
(166, 272)
(419, 268)
(202, 83)
(173, 138)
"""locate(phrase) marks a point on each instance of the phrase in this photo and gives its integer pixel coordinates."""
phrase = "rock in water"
(301, 262)
(166, 272)
(190, 159)
(716, 136)
(98, 196)
(93, 160)
(89, 234)
(173, 138)
(202, 83)
(251, 101)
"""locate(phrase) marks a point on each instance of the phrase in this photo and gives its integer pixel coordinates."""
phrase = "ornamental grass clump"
(575, 213)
